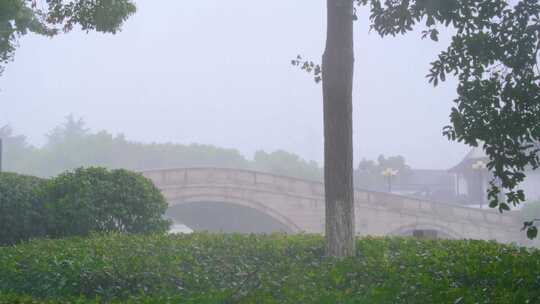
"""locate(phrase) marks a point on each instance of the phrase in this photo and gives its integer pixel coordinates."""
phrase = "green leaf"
(434, 35)
(503, 207)
(430, 21)
(532, 232)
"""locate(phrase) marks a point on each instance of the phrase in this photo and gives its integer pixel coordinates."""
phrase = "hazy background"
(218, 72)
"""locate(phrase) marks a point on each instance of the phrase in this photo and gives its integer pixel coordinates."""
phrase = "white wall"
(461, 185)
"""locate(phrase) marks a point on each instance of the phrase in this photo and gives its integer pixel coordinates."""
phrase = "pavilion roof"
(476, 154)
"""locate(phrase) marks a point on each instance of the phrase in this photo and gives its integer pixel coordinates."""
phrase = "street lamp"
(389, 173)
(479, 166)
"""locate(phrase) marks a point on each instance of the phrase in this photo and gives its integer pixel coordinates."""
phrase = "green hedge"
(204, 268)
(10, 298)
(77, 203)
(99, 200)
(20, 208)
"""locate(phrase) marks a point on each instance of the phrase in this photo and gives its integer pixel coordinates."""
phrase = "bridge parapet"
(416, 206)
(245, 178)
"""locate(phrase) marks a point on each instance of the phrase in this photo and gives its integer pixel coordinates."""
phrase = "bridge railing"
(444, 211)
(221, 176)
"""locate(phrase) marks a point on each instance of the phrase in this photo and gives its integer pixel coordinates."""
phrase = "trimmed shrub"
(100, 200)
(20, 208)
(206, 268)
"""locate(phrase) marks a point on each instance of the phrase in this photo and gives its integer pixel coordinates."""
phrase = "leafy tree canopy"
(368, 174)
(50, 17)
(494, 56)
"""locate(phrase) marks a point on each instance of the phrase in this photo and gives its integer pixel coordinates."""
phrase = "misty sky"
(218, 72)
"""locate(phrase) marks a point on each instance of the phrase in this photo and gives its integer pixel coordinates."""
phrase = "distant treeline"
(72, 145)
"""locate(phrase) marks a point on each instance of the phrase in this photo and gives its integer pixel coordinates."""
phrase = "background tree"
(368, 174)
(50, 17)
(494, 56)
(287, 164)
(17, 154)
(71, 145)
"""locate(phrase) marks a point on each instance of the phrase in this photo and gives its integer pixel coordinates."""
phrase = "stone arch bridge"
(299, 205)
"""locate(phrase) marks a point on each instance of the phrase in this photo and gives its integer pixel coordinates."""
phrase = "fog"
(181, 160)
(219, 72)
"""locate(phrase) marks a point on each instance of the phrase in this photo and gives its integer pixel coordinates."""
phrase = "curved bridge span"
(299, 205)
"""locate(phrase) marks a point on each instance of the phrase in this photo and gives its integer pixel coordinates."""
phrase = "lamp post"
(389, 173)
(479, 167)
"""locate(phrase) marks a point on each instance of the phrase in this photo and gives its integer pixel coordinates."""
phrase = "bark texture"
(337, 77)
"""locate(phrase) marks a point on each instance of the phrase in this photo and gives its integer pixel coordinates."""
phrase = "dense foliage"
(20, 208)
(202, 268)
(99, 200)
(49, 17)
(72, 145)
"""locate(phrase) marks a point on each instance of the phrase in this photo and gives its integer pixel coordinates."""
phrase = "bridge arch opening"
(430, 231)
(227, 217)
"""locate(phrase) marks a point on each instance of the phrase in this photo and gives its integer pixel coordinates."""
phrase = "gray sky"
(218, 72)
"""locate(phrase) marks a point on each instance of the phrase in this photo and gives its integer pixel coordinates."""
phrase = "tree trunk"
(337, 76)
